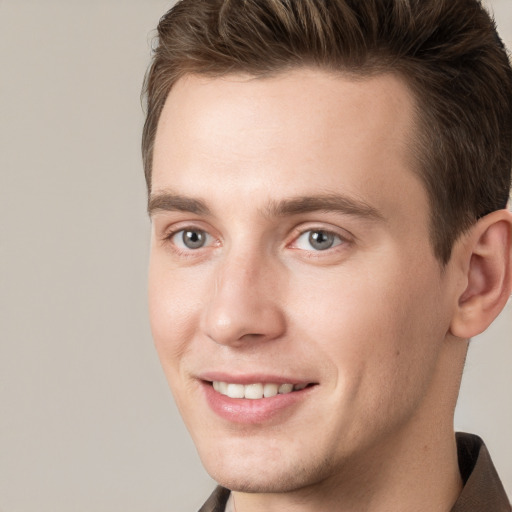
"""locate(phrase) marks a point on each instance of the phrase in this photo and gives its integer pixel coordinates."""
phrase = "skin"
(371, 321)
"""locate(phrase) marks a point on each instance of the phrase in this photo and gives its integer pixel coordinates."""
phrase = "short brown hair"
(447, 51)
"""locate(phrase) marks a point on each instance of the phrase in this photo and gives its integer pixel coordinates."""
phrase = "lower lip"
(244, 410)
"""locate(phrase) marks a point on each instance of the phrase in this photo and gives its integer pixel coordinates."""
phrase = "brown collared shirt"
(482, 492)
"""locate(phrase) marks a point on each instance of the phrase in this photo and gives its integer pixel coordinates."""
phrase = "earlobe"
(488, 275)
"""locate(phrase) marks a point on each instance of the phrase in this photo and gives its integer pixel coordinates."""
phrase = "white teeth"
(270, 390)
(285, 388)
(254, 391)
(235, 390)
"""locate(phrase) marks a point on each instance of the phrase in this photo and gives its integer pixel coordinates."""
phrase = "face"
(295, 302)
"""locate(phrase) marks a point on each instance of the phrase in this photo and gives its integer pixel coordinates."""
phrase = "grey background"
(86, 420)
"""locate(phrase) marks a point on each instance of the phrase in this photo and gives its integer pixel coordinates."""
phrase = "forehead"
(300, 132)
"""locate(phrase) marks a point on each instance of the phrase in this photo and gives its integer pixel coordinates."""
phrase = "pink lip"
(250, 378)
(246, 411)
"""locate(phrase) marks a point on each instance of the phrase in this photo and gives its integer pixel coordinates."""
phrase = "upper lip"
(251, 378)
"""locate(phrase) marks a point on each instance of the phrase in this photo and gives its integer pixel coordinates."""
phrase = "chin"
(259, 481)
(247, 475)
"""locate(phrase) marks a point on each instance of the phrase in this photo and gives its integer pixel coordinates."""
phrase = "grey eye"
(321, 240)
(193, 238)
(317, 240)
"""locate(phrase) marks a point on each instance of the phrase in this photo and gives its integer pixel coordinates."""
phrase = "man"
(328, 185)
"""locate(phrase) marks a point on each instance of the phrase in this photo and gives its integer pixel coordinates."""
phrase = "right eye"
(190, 239)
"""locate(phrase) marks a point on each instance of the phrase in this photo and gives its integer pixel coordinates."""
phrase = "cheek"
(173, 312)
(380, 330)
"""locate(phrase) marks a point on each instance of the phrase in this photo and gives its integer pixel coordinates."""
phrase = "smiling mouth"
(255, 391)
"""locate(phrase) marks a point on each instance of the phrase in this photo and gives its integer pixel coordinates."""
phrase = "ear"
(488, 275)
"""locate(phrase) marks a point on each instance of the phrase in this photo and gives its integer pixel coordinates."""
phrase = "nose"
(244, 303)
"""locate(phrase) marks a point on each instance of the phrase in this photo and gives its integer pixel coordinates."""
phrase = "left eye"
(190, 239)
(317, 240)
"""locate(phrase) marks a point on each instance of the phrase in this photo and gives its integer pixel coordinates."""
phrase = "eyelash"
(189, 252)
(184, 252)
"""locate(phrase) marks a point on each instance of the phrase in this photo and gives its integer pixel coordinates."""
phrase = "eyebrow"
(323, 203)
(166, 201)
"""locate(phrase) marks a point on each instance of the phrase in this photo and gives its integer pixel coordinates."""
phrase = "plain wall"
(86, 420)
